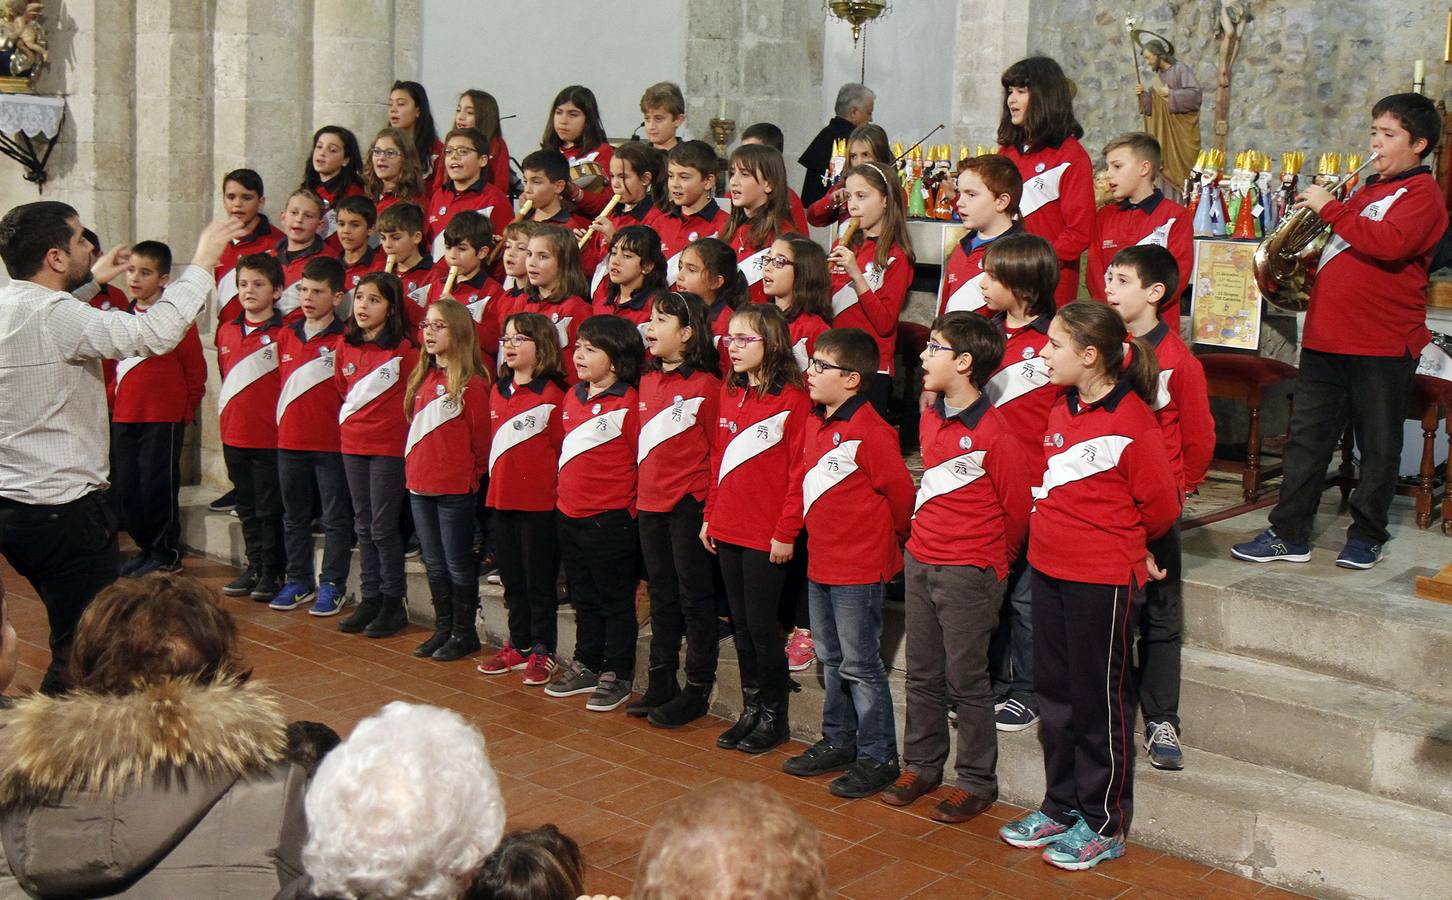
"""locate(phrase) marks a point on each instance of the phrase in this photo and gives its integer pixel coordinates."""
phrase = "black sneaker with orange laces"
(909, 787)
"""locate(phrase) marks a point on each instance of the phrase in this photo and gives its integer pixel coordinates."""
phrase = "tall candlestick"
(1418, 76)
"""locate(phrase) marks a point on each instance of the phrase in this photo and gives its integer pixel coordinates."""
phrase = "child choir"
(619, 378)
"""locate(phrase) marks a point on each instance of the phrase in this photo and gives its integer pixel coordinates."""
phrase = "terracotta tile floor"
(603, 778)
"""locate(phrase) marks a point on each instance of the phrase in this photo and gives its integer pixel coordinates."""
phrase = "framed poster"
(1227, 305)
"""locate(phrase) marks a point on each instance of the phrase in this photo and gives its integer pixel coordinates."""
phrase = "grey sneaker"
(573, 679)
(609, 693)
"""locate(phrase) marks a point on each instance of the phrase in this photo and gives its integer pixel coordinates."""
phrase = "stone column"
(352, 57)
(992, 35)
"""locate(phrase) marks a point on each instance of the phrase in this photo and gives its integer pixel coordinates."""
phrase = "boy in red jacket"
(247, 354)
(308, 459)
(857, 498)
(153, 399)
(466, 189)
(970, 519)
(1365, 329)
(1140, 280)
(1142, 214)
(467, 240)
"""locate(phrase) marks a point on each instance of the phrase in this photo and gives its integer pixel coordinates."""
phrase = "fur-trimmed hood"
(96, 790)
(106, 744)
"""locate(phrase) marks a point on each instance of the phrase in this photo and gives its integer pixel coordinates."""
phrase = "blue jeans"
(444, 524)
(1011, 652)
(847, 631)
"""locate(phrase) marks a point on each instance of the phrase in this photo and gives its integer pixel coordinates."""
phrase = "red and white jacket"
(678, 420)
(447, 448)
(1019, 388)
(1370, 293)
(1058, 204)
(372, 260)
(857, 496)
(756, 466)
(593, 202)
(972, 505)
(416, 280)
(1154, 220)
(597, 456)
(1182, 407)
(876, 310)
(803, 330)
(567, 315)
(962, 287)
(371, 380)
(165, 388)
(307, 406)
(293, 263)
(642, 213)
(679, 229)
(524, 445)
(750, 258)
(447, 201)
(635, 310)
(248, 356)
(262, 239)
(825, 211)
(1107, 489)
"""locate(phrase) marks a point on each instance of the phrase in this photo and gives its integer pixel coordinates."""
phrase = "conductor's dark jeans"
(68, 554)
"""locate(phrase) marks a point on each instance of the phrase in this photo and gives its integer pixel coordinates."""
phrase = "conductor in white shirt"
(56, 528)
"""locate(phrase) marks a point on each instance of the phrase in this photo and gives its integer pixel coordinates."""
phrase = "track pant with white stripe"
(1087, 699)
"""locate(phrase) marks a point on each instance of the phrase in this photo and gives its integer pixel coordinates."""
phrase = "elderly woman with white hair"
(406, 807)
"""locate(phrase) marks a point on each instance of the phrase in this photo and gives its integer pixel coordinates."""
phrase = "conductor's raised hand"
(214, 239)
(112, 264)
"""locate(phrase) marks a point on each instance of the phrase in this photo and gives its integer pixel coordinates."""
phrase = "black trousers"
(1086, 699)
(259, 504)
(753, 591)
(146, 479)
(1372, 391)
(599, 556)
(681, 577)
(68, 554)
(376, 484)
(527, 549)
(1160, 624)
(304, 474)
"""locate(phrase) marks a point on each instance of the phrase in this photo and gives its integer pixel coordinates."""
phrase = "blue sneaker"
(292, 595)
(1033, 831)
(330, 602)
(1082, 849)
(1163, 744)
(1358, 554)
(1269, 547)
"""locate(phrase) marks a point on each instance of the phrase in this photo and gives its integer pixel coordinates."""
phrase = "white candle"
(723, 104)
(1417, 72)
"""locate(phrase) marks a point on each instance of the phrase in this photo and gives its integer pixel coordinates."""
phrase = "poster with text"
(1227, 307)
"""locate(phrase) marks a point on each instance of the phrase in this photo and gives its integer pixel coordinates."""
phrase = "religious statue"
(1170, 104)
(1230, 30)
(23, 50)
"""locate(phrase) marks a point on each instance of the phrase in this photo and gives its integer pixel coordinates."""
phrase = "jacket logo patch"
(349, 369)
(965, 443)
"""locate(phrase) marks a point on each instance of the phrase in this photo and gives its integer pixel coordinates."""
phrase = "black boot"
(693, 702)
(662, 689)
(750, 711)
(391, 619)
(443, 618)
(772, 726)
(362, 617)
(465, 637)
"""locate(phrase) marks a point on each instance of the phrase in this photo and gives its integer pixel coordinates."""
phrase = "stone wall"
(1305, 79)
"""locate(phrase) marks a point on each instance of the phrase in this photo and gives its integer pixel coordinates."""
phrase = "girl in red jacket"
(524, 450)
(797, 280)
(1038, 131)
(637, 274)
(596, 503)
(754, 512)
(1108, 488)
(557, 286)
(446, 455)
(867, 143)
(708, 270)
(479, 110)
(575, 129)
(760, 210)
(374, 362)
(679, 398)
(874, 269)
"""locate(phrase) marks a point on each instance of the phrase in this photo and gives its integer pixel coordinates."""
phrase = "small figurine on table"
(23, 45)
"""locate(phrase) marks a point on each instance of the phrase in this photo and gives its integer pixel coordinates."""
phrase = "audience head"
(141, 632)
(543, 864)
(730, 840)
(406, 807)
(766, 134)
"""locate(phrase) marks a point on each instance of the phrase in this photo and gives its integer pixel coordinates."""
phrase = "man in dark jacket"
(854, 107)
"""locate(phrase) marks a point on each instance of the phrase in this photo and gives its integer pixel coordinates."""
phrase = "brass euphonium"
(1287, 258)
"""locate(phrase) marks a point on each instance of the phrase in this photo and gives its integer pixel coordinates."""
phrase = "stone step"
(1375, 740)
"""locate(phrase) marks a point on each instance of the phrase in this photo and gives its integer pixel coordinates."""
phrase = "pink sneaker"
(506, 660)
(539, 669)
(801, 653)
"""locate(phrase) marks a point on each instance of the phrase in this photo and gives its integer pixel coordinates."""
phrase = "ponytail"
(1096, 325)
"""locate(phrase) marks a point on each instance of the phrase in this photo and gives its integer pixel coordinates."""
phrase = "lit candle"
(1417, 72)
